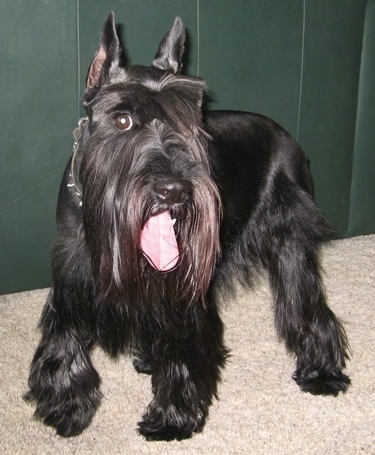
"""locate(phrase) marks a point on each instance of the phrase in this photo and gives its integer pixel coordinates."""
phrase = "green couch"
(309, 65)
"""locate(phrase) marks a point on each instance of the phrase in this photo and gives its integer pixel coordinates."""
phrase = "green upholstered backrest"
(307, 64)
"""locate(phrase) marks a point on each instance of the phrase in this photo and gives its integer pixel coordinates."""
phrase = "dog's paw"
(142, 366)
(69, 417)
(69, 425)
(322, 383)
(160, 425)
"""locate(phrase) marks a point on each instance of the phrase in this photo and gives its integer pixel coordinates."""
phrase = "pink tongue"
(158, 242)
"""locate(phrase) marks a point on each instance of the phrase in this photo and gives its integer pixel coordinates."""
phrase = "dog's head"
(145, 173)
(169, 96)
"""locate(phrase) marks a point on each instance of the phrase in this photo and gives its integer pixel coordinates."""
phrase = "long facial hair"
(118, 199)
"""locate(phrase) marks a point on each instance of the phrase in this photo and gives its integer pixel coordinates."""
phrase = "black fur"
(238, 186)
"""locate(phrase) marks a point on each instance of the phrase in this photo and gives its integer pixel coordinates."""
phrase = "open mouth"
(158, 242)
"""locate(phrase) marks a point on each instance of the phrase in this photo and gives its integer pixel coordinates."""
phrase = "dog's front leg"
(63, 382)
(186, 360)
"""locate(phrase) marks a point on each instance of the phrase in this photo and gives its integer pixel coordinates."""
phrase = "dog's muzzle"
(158, 239)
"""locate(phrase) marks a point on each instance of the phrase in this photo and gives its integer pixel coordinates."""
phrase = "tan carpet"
(261, 410)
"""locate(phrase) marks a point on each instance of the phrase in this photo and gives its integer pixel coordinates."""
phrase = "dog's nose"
(172, 191)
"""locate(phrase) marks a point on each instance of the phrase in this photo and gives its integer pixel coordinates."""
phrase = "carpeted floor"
(261, 410)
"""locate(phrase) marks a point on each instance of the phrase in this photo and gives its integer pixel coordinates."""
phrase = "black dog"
(159, 211)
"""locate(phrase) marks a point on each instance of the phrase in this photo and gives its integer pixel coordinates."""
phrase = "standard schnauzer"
(161, 209)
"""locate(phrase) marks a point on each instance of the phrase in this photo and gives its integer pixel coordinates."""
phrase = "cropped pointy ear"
(106, 63)
(171, 49)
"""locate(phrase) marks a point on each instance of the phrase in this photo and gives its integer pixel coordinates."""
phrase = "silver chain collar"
(77, 136)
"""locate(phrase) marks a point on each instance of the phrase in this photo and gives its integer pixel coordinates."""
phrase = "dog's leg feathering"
(63, 382)
(303, 319)
(185, 372)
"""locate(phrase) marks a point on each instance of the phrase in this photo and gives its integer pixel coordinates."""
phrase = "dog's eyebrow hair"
(121, 107)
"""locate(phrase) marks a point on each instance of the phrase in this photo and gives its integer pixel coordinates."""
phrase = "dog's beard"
(118, 202)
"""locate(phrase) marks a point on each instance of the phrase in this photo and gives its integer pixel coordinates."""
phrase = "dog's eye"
(124, 122)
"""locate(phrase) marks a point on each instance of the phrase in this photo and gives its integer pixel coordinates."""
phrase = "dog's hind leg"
(311, 331)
